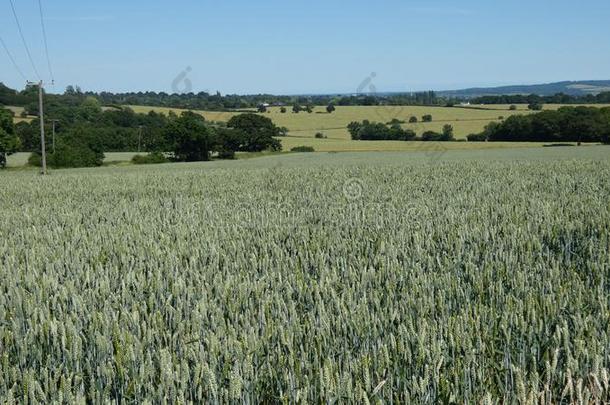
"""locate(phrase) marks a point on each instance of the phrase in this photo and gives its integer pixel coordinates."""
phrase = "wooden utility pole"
(41, 116)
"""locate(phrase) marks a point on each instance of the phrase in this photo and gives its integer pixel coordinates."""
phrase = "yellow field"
(304, 126)
(334, 126)
(209, 115)
(18, 110)
(347, 145)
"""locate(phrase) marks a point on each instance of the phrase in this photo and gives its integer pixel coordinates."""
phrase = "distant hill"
(579, 88)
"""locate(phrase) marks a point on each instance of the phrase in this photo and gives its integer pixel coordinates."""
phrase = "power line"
(10, 56)
(25, 45)
(44, 36)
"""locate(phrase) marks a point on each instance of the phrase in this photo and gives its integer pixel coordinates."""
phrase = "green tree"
(283, 131)
(296, 108)
(258, 132)
(427, 118)
(228, 141)
(330, 108)
(354, 128)
(190, 138)
(447, 132)
(9, 142)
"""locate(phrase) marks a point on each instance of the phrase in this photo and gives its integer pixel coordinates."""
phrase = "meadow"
(459, 277)
(304, 126)
(334, 126)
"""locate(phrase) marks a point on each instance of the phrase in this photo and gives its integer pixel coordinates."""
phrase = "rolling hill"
(574, 88)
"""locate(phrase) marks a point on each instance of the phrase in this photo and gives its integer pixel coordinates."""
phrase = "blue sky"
(313, 46)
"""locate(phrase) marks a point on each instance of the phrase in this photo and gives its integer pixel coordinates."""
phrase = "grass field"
(18, 111)
(334, 126)
(476, 276)
(304, 126)
(19, 160)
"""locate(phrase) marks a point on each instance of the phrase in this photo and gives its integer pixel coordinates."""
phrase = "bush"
(372, 131)
(482, 137)
(395, 121)
(320, 135)
(427, 118)
(35, 160)
(436, 137)
(302, 149)
(568, 124)
(413, 120)
(69, 156)
(513, 108)
(152, 158)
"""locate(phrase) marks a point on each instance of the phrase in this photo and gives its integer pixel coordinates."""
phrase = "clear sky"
(288, 47)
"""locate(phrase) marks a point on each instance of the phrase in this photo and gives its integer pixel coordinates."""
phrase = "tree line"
(534, 99)
(217, 102)
(85, 131)
(73, 95)
(567, 124)
(393, 131)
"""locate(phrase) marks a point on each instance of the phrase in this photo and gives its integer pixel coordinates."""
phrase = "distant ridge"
(573, 88)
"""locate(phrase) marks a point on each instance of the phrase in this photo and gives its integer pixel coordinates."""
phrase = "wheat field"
(466, 277)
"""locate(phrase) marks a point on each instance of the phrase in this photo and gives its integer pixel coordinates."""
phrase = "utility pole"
(42, 141)
(43, 150)
(53, 122)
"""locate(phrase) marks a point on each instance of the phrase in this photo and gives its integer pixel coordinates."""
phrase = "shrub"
(427, 118)
(447, 132)
(513, 108)
(152, 158)
(413, 120)
(320, 135)
(436, 137)
(69, 155)
(302, 149)
(373, 131)
(482, 137)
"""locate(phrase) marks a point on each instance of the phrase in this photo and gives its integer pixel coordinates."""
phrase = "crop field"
(304, 126)
(17, 118)
(334, 126)
(465, 277)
